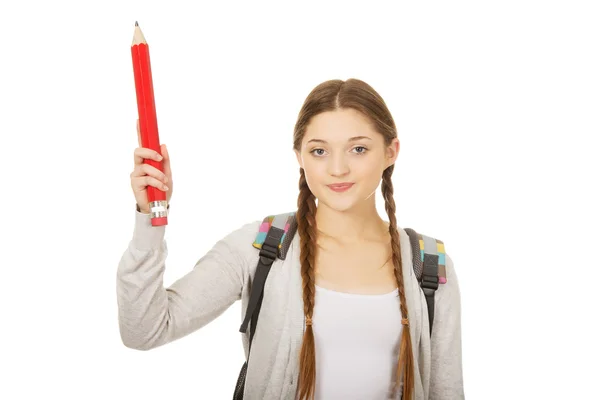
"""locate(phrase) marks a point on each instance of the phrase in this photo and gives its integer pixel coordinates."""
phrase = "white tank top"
(357, 339)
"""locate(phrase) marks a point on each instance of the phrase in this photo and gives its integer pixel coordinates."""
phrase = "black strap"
(254, 320)
(267, 254)
(429, 284)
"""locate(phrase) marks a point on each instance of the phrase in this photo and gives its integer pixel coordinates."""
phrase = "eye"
(361, 147)
(314, 150)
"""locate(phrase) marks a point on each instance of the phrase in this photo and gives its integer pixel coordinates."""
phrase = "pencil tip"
(136, 24)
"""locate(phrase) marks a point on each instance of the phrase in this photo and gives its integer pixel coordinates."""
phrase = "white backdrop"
(496, 104)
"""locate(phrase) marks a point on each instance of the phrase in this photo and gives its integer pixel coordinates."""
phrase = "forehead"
(339, 126)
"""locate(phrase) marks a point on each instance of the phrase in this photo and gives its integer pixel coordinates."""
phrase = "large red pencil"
(140, 54)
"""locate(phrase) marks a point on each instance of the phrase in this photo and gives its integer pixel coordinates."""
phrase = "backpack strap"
(287, 222)
(429, 264)
(274, 237)
(276, 233)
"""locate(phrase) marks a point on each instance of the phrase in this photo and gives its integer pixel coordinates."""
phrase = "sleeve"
(446, 346)
(151, 315)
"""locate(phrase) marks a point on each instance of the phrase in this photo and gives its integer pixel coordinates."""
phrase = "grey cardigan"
(151, 315)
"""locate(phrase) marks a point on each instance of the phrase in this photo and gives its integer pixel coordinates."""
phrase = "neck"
(357, 224)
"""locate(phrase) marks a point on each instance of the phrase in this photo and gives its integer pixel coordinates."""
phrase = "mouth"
(340, 187)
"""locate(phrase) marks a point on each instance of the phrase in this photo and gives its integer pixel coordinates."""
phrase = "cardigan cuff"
(145, 235)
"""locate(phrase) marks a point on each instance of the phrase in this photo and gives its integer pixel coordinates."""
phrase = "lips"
(340, 187)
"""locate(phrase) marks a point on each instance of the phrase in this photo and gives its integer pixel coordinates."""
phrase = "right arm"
(151, 315)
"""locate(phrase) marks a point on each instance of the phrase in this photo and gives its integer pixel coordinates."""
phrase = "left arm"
(446, 347)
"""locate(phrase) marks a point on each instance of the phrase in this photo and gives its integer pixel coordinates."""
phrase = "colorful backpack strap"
(429, 264)
(421, 245)
(285, 221)
(434, 247)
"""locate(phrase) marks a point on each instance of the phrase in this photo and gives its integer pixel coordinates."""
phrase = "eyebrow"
(349, 140)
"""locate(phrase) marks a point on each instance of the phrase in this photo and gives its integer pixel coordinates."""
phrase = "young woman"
(343, 315)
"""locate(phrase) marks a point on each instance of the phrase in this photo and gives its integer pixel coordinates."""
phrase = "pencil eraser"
(160, 221)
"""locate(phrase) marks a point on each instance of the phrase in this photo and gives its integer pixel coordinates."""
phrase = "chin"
(355, 197)
(338, 206)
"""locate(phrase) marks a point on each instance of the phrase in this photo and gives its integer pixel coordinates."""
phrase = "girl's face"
(342, 147)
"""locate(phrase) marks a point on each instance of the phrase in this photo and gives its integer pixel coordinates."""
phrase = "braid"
(405, 357)
(307, 230)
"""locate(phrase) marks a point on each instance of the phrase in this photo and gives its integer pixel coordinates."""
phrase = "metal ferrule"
(158, 209)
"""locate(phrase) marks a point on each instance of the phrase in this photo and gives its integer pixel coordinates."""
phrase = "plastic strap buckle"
(270, 247)
(430, 279)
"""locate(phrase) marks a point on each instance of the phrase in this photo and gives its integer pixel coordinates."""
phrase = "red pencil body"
(148, 126)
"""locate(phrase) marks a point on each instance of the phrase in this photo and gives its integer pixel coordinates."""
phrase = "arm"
(446, 348)
(151, 315)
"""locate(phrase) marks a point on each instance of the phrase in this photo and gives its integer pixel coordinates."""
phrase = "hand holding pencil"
(146, 188)
(145, 175)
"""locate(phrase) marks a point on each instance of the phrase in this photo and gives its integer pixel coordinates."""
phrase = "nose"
(338, 165)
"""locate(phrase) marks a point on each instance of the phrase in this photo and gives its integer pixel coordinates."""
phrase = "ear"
(299, 158)
(392, 152)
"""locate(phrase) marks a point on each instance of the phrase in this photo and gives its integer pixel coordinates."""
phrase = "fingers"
(141, 153)
(142, 170)
(141, 182)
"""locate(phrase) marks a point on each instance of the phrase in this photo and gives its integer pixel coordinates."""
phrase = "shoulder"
(450, 287)
(240, 239)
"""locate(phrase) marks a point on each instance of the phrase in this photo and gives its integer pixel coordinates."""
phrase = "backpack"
(274, 237)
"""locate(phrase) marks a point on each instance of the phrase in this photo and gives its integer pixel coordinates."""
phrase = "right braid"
(307, 230)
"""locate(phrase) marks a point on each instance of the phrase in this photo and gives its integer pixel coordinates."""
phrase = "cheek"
(315, 166)
(366, 172)
(316, 175)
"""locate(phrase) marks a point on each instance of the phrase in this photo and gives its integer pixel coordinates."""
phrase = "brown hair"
(330, 96)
